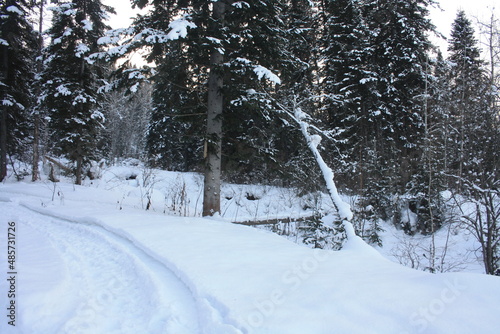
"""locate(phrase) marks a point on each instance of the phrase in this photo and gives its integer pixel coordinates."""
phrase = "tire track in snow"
(121, 289)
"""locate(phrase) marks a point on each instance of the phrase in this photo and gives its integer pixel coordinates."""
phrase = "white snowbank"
(88, 264)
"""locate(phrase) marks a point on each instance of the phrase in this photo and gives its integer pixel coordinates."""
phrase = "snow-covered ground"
(91, 259)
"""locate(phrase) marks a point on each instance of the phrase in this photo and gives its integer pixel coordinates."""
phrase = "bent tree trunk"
(343, 208)
(211, 191)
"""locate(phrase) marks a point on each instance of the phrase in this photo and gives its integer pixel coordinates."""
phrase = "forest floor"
(91, 259)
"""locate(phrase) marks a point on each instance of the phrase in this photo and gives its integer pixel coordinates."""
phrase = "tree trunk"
(35, 174)
(36, 152)
(79, 164)
(343, 209)
(3, 143)
(212, 183)
(79, 168)
(3, 120)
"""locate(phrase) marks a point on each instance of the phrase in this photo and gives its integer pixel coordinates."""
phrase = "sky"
(123, 13)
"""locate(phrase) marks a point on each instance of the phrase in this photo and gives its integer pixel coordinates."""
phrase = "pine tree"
(470, 115)
(349, 85)
(374, 78)
(400, 45)
(210, 58)
(175, 134)
(71, 80)
(18, 45)
(37, 113)
(299, 56)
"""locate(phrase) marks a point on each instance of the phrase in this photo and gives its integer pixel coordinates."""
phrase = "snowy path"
(88, 265)
(104, 275)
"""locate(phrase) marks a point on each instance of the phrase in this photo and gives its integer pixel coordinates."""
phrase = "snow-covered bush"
(480, 213)
(366, 224)
(176, 197)
(326, 233)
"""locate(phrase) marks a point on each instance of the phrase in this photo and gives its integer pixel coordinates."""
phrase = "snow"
(243, 60)
(68, 32)
(70, 12)
(343, 208)
(108, 40)
(63, 90)
(7, 103)
(241, 4)
(454, 247)
(90, 259)
(218, 43)
(179, 28)
(87, 25)
(263, 72)
(81, 49)
(315, 140)
(135, 87)
(15, 10)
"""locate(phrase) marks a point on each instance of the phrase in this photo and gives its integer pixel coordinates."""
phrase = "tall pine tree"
(470, 117)
(400, 45)
(211, 57)
(374, 79)
(18, 45)
(71, 80)
(349, 86)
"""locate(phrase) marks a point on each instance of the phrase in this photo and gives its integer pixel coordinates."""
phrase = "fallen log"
(59, 164)
(274, 221)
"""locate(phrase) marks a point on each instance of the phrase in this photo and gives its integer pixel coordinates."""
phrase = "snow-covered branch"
(313, 140)
(261, 71)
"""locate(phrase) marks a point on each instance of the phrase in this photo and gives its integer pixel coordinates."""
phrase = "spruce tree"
(175, 134)
(400, 60)
(37, 110)
(71, 80)
(18, 45)
(299, 55)
(400, 45)
(475, 137)
(349, 86)
(427, 181)
(469, 108)
(213, 59)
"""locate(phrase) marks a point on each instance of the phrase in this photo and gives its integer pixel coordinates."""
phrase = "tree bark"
(59, 164)
(3, 119)
(212, 183)
(3, 143)
(35, 174)
(36, 152)
(79, 165)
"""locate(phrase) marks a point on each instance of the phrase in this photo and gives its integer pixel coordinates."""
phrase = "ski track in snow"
(109, 276)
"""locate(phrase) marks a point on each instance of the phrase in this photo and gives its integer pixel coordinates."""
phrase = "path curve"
(115, 286)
